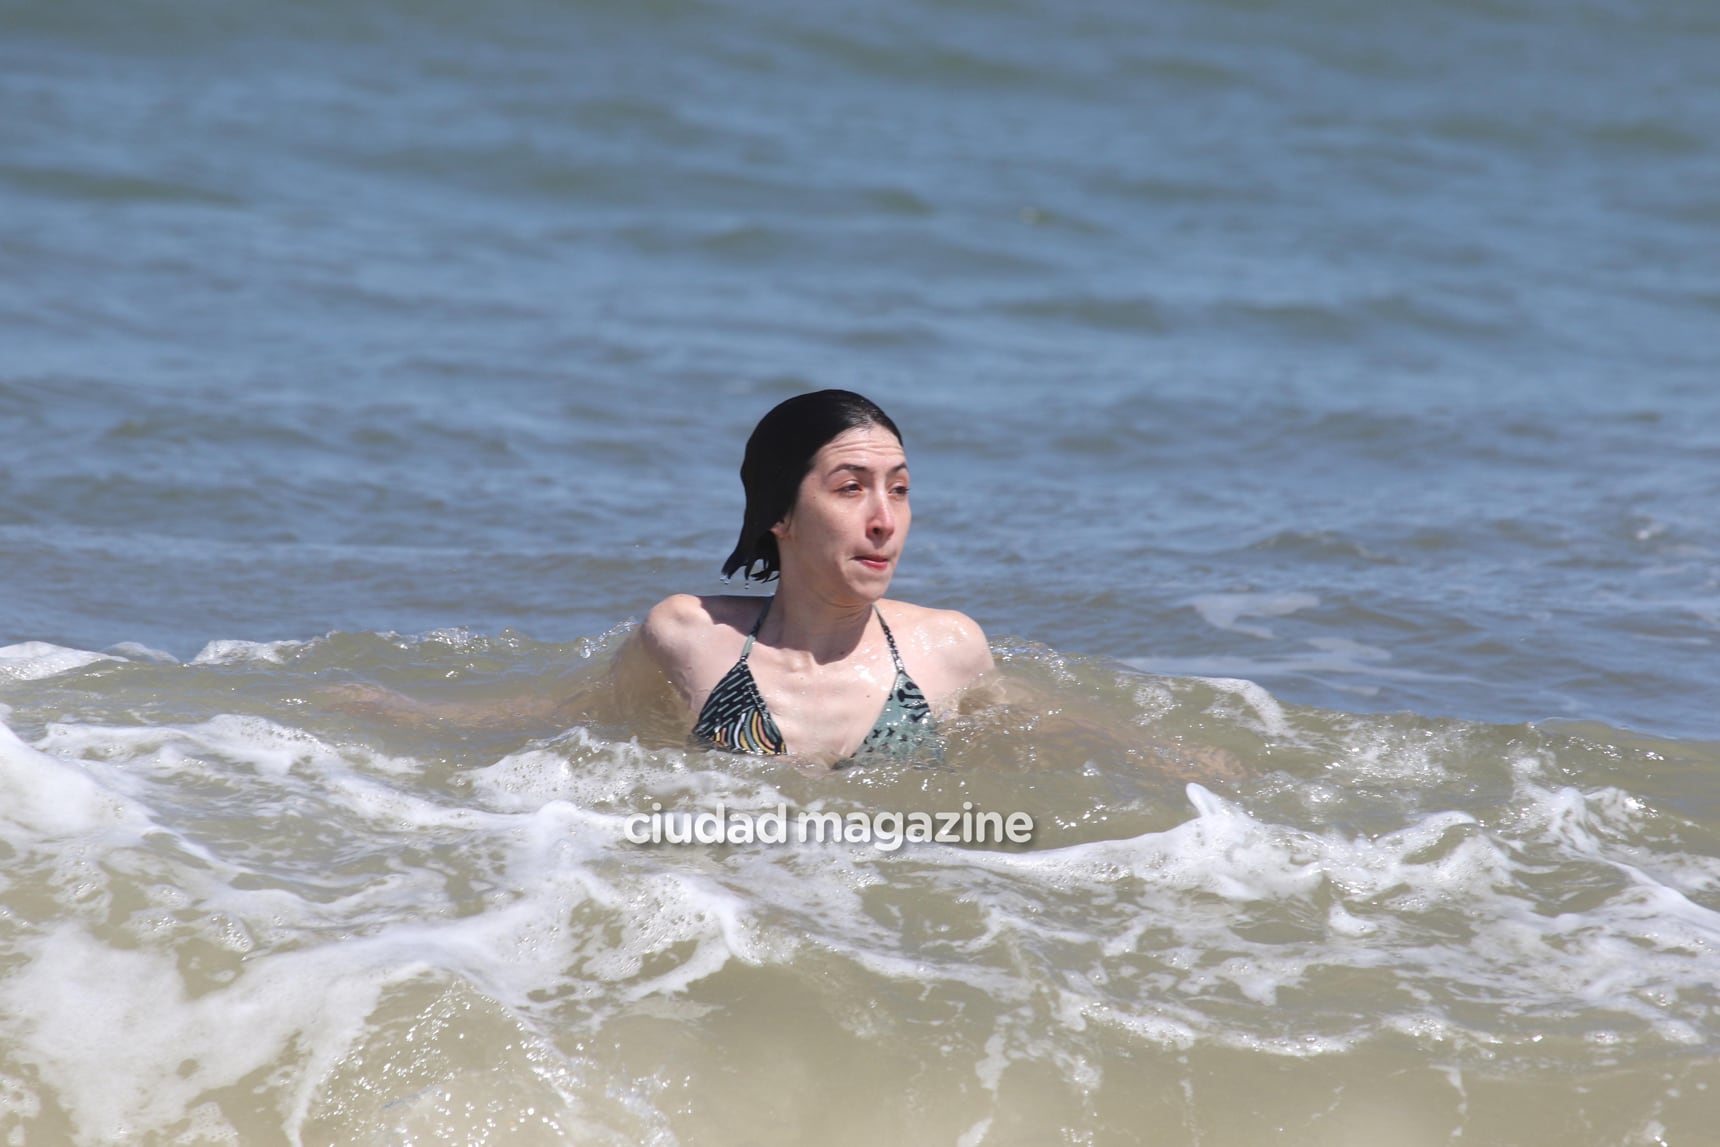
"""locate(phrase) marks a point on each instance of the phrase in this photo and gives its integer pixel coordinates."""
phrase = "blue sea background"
(1397, 323)
(1366, 352)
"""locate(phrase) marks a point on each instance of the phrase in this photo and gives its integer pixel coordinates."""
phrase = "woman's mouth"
(874, 562)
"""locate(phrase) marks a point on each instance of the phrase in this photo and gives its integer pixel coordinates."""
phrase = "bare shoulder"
(949, 639)
(687, 640)
(684, 630)
(674, 622)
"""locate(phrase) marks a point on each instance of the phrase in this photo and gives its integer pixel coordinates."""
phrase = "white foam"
(1155, 1030)
(515, 881)
(281, 757)
(233, 652)
(1605, 958)
(579, 767)
(124, 1043)
(1273, 722)
(113, 1031)
(50, 798)
(137, 651)
(35, 660)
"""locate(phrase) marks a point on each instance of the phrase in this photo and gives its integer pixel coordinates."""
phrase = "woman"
(828, 667)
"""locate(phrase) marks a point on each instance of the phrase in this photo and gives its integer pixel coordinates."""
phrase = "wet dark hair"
(779, 454)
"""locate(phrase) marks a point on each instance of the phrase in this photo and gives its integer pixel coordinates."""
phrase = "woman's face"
(850, 518)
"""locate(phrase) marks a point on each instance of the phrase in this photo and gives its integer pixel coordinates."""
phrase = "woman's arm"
(637, 690)
(528, 712)
(642, 691)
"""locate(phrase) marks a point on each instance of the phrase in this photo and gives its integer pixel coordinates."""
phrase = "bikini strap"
(759, 624)
(895, 655)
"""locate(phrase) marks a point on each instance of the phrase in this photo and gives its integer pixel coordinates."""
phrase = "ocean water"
(1315, 402)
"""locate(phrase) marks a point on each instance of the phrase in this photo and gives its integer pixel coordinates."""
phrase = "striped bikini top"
(735, 717)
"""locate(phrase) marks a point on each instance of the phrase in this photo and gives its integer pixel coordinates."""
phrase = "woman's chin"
(871, 589)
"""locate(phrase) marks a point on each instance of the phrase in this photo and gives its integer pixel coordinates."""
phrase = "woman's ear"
(780, 530)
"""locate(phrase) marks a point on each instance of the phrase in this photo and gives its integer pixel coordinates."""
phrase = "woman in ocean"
(827, 668)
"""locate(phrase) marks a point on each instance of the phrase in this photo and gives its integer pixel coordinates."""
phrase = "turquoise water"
(1329, 383)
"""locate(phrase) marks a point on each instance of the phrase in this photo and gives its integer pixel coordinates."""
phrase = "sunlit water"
(1314, 403)
(230, 914)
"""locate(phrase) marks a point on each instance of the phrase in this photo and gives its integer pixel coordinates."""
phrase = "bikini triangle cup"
(735, 717)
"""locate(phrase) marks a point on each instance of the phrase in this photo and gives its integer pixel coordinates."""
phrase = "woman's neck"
(826, 630)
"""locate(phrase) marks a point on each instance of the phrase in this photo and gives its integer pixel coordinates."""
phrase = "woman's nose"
(883, 520)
